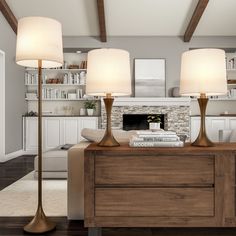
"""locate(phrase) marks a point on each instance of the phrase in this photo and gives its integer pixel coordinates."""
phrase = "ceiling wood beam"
(101, 18)
(8, 14)
(197, 14)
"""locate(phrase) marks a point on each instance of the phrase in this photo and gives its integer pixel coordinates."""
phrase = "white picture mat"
(149, 77)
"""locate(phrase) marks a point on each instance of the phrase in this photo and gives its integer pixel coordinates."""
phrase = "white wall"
(15, 104)
(169, 48)
(2, 105)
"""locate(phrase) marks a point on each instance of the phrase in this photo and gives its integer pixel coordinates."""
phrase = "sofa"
(75, 183)
(54, 165)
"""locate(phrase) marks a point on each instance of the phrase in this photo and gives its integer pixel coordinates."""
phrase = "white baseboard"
(13, 155)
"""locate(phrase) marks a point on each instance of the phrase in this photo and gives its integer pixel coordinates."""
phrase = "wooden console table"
(159, 187)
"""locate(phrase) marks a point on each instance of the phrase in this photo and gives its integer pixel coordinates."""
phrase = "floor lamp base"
(39, 224)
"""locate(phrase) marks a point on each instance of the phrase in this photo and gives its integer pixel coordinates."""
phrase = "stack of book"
(155, 139)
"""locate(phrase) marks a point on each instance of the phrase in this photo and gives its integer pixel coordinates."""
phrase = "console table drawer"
(154, 202)
(154, 170)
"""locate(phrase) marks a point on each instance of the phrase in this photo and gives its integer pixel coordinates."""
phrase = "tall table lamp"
(203, 74)
(108, 75)
(39, 45)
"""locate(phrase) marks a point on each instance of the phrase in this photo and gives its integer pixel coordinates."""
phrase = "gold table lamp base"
(108, 140)
(202, 139)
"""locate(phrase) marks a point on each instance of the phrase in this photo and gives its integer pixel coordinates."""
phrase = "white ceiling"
(132, 17)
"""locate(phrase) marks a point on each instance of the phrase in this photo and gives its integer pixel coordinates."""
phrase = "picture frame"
(150, 78)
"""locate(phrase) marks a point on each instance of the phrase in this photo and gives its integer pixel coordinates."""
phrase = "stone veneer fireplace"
(176, 110)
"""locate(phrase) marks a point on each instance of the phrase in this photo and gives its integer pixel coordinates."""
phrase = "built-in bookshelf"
(66, 85)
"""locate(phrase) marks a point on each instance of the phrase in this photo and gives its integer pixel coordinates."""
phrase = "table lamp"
(203, 74)
(108, 75)
(39, 45)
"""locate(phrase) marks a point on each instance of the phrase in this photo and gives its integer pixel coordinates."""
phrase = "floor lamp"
(39, 45)
(108, 75)
(203, 74)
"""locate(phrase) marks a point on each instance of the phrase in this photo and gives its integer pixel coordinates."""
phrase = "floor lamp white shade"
(108, 72)
(203, 71)
(39, 38)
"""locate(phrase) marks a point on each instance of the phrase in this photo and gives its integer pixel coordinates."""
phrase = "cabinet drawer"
(154, 170)
(154, 202)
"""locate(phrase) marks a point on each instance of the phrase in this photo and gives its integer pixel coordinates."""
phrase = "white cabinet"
(52, 132)
(71, 130)
(56, 131)
(86, 122)
(30, 138)
(213, 125)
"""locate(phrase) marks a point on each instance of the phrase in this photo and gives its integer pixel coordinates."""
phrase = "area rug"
(20, 198)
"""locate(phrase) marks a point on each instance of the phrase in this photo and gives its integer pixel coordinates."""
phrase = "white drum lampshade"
(39, 38)
(108, 72)
(203, 71)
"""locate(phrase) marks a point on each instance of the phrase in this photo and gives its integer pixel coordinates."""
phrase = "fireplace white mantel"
(150, 101)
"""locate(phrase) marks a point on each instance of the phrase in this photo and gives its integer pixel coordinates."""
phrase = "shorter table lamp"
(108, 75)
(203, 74)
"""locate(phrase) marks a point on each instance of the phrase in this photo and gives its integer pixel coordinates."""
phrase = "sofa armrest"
(75, 184)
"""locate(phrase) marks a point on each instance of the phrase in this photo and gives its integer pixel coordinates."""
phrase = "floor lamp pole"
(40, 223)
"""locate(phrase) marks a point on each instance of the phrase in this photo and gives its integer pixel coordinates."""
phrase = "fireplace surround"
(176, 110)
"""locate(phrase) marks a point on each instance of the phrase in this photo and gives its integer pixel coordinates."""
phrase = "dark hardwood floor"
(15, 169)
(13, 226)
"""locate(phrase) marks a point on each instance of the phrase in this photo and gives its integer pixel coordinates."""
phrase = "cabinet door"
(87, 122)
(195, 126)
(52, 133)
(232, 123)
(31, 134)
(214, 124)
(71, 130)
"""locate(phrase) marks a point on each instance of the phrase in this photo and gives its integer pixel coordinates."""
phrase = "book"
(156, 144)
(161, 132)
(153, 139)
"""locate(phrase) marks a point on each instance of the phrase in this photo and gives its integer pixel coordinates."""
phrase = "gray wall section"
(169, 48)
(15, 90)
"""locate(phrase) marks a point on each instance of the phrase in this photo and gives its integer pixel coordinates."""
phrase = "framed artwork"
(149, 77)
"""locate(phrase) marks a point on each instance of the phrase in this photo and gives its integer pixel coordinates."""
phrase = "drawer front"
(174, 202)
(154, 170)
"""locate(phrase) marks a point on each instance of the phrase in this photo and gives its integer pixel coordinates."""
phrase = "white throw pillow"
(95, 135)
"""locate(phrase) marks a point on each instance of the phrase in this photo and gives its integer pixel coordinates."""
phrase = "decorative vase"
(90, 112)
(154, 126)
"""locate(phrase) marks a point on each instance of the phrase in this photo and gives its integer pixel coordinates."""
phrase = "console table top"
(124, 147)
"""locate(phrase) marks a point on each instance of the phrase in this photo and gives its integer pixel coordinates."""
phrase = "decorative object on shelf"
(82, 112)
(154, 122)
(149, 77)
(108, 74)
(175, 92)
(90, 105)
(39, 45)
(203, 73)
(73, 67)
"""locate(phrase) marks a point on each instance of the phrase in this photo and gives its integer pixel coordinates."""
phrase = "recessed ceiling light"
(78, 51)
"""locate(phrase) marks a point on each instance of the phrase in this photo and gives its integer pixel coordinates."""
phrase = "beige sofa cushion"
(95, 135)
